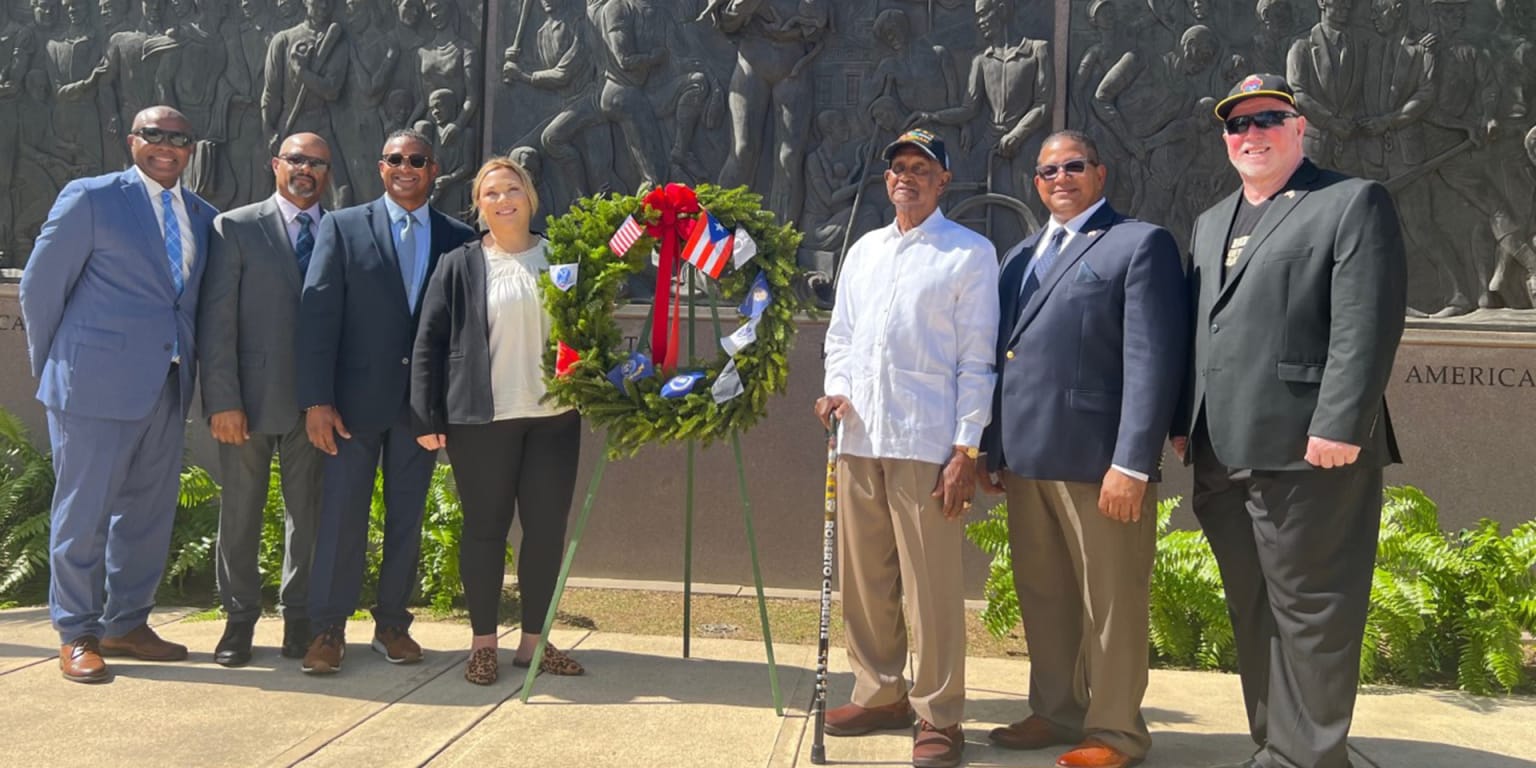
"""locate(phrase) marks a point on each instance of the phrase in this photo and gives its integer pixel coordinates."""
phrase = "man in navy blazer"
(1091, 358)
(109, 295)
(357, 326)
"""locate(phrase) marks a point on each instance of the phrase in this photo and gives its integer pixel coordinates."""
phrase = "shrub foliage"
(1446, 608)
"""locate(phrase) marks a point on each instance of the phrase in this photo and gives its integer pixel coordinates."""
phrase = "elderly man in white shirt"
(909, 375)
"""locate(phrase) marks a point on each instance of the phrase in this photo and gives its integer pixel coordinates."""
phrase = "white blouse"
(519, 330)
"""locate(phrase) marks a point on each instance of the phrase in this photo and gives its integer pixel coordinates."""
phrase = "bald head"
(161, 144)
(302, 169)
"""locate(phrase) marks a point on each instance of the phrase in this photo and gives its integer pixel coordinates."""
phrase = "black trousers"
(521, 466)
(1297, 551)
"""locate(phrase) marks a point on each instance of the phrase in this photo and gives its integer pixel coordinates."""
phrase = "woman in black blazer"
(476, 383)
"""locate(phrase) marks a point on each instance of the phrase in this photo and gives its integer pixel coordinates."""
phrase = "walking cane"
(828, 545)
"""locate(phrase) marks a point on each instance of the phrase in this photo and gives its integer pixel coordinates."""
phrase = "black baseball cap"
(1254, 86)
(926, 141)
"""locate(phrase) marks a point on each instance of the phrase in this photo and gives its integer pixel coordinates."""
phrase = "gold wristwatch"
(971, 452)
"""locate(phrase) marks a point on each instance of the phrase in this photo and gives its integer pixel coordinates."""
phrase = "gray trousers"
(246, 471)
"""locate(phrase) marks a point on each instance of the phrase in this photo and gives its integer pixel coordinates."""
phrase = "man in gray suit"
(1299, 286)
(245, 332)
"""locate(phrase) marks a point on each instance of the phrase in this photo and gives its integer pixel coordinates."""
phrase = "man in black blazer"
(1299, 281)
(1092, 351)
(357, 325)
(245, 344)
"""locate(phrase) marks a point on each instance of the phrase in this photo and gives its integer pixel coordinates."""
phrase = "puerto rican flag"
(709, 247)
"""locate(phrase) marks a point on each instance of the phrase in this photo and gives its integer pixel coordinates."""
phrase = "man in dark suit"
(1092, 350)
(245, 341)
(1299, 287)
(358, 318)
(109, 297)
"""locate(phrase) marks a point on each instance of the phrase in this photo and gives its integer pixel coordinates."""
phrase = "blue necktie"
(408, 259)
(1042, 266)
(304, 244)
(173, 253)
(172, 239)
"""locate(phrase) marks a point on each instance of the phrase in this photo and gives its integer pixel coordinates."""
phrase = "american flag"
(709, 247)
(628, 233)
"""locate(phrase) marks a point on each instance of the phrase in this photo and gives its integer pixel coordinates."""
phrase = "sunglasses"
(299, 161)
(1271, 118)
(417, 161)
(161, 136)
(1070, 167)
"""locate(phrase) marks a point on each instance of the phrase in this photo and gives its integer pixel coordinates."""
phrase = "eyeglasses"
(299, 161)
(161, 136)
(1270, 118)
(417, 161)
(1070, 167)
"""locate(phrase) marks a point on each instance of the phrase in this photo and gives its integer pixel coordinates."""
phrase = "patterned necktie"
(172, 239)
(304, 244)
(1042, 266)
(408, 259)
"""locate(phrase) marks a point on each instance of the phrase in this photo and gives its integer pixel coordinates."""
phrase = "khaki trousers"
(1083, 581)
(899, 562)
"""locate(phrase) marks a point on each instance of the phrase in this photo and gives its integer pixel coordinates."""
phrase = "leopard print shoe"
(555, 662)
(481, 667)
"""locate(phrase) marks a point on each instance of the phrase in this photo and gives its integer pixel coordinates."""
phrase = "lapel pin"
(1290, 193)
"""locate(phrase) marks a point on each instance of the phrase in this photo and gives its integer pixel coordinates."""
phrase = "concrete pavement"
(640, 704)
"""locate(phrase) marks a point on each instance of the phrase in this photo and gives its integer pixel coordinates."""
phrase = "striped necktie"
(172, 240)
(304, 244)
(1042, 266)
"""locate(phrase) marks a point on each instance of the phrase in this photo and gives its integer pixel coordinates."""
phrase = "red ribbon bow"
(674, 202)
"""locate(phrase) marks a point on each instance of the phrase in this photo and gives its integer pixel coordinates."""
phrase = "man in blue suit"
(1091, 358)
(109, 295)
(357, 326)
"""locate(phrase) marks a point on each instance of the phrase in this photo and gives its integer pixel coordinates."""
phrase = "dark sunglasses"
(1070, 167)
(1270, 118)
(417, 161)
(161, 136)
(298, 161)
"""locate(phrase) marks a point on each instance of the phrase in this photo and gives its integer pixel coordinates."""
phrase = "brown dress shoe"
(934, 747)
(1096, 754)
(325, 652)
(1033, 732)
(81, 661)
(396, 645)
(853, 720)
(143, 644)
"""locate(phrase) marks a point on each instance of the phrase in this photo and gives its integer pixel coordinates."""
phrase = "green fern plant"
(196, 530)
(26, 497)
(990, 533)
(1189, 624)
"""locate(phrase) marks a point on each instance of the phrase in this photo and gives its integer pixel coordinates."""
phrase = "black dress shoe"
(234, 648)
(296, 637)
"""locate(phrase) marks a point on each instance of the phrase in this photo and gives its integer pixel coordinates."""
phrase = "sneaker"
(853, 720)
(934, 747)
(325, 652)
(396, 645)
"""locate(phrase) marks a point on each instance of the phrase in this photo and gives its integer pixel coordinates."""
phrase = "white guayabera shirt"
(912, 341)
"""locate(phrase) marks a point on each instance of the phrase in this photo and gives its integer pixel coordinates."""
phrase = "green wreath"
(583, 319)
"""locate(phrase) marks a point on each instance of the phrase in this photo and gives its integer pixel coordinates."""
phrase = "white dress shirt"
(1074, 227)
(179, 206)
(912, 341)
(290, 214)
(519, 332)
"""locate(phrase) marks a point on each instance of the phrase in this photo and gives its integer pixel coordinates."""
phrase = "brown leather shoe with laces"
(1033, 732)
(934, 747)
(396, 645)
(325, 652)
(81, 662)
(143, 644)
(853, 720)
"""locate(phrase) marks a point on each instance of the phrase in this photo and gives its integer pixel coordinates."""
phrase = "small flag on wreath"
(628, 233)
(565, 359)
(709, 247)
